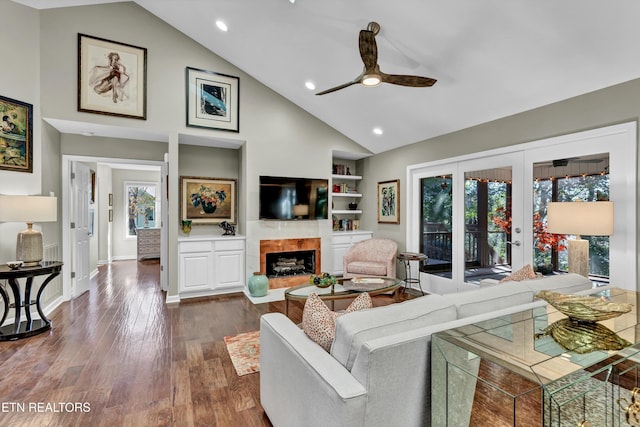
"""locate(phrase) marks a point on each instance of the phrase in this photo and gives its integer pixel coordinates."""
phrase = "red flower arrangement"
(543, 239)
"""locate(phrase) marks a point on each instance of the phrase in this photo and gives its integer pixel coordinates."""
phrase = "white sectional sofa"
(379, 368)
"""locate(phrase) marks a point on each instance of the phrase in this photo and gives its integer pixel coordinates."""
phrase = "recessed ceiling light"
(378, 131)
(292, 1)
(309, 85)
(87, 133)
(221, 25)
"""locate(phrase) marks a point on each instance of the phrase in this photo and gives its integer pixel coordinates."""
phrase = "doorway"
(103, 217)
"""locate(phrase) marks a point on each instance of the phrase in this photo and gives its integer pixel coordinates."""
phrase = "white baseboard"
(93, 274)
(123, 258)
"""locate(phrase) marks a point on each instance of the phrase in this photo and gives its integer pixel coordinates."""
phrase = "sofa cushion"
(319, 323)
(491, 298)
(353, 329)
(569, 283)
(367, 268)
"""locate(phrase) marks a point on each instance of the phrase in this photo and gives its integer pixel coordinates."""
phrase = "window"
(142, 208)
(588, 182)
(436, 224)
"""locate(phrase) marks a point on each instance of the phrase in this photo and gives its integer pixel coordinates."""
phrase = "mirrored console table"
(510, 371)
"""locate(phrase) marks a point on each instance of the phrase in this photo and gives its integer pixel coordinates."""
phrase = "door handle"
(516, 243)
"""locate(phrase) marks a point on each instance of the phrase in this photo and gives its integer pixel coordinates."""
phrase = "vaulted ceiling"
(491, 58)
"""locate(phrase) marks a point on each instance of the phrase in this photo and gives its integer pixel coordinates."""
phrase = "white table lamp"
(28, 209)
(580, 218)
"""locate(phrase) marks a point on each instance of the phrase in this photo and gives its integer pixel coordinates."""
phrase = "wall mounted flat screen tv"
(286, 198)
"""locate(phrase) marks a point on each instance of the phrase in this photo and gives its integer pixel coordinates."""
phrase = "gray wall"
(616, 104)
(272, 130)
(21, 32)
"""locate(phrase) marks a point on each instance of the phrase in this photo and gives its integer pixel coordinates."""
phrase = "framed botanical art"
(208, 200)
(16, 135)
(213, 100)
(389, 201)
(112, 78)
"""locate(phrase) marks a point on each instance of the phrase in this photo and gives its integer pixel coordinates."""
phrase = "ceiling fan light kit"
(371, 80)
(371, 75)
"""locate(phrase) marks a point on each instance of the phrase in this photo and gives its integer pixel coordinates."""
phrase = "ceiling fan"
(372, 76)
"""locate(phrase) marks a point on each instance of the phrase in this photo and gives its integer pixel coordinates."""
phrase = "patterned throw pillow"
(524, 273)
(319, 323)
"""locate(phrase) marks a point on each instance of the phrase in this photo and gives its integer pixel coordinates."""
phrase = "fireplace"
(289, 262)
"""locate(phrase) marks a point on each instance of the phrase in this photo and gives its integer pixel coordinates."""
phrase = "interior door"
(80, 188)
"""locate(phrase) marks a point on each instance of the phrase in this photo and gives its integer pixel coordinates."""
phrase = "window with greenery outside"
(141, 207)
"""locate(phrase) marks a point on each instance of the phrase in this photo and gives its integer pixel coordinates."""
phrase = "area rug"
(244, 350)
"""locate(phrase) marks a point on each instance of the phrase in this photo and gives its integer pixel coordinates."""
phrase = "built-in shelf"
(346, 177)
(346, 194)
(346, 211)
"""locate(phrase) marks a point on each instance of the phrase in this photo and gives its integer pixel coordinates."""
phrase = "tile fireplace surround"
(286, 246)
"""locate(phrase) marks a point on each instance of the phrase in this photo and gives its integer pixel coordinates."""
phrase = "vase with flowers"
(208, 199)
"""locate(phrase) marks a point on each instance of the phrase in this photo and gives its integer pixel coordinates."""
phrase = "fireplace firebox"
(297, 263)
(289, 262)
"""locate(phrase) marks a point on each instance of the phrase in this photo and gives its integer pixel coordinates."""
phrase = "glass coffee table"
(343, 289)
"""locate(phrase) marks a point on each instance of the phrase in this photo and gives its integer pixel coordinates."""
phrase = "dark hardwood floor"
(119, 356)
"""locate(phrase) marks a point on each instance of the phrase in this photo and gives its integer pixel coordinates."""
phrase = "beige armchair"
(372, 257)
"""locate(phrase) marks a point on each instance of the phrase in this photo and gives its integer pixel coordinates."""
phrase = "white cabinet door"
(196, 266)
(196, 271)
(339, 251)
(229, 270)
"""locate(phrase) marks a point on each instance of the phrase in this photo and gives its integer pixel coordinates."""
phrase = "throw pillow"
(524, 273)
(319, 323)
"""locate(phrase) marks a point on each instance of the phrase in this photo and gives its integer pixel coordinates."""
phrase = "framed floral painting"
(112, 78)
(208, 200)
(389, 201)
(16, 135)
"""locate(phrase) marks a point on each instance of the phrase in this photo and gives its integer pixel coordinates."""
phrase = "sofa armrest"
(302, 384)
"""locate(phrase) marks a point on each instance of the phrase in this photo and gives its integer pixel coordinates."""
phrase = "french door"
(471, 220)
(479, 216)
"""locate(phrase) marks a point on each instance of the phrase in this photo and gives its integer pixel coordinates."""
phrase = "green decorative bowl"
(323, 280)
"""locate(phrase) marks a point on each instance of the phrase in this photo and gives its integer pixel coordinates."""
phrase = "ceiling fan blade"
(411, 81)
(342, 86)
(368, 49)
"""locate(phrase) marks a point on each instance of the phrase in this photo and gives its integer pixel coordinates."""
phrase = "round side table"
(406, 258)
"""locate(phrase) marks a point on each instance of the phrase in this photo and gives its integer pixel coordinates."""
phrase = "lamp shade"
(580, 218)
(28, 209)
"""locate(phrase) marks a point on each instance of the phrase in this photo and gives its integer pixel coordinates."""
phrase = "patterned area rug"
(244, 350)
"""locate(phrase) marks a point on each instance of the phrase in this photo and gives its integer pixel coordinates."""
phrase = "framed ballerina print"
(112, 78)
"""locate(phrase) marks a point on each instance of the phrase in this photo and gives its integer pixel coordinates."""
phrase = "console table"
(507, 371)
(29, 327)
